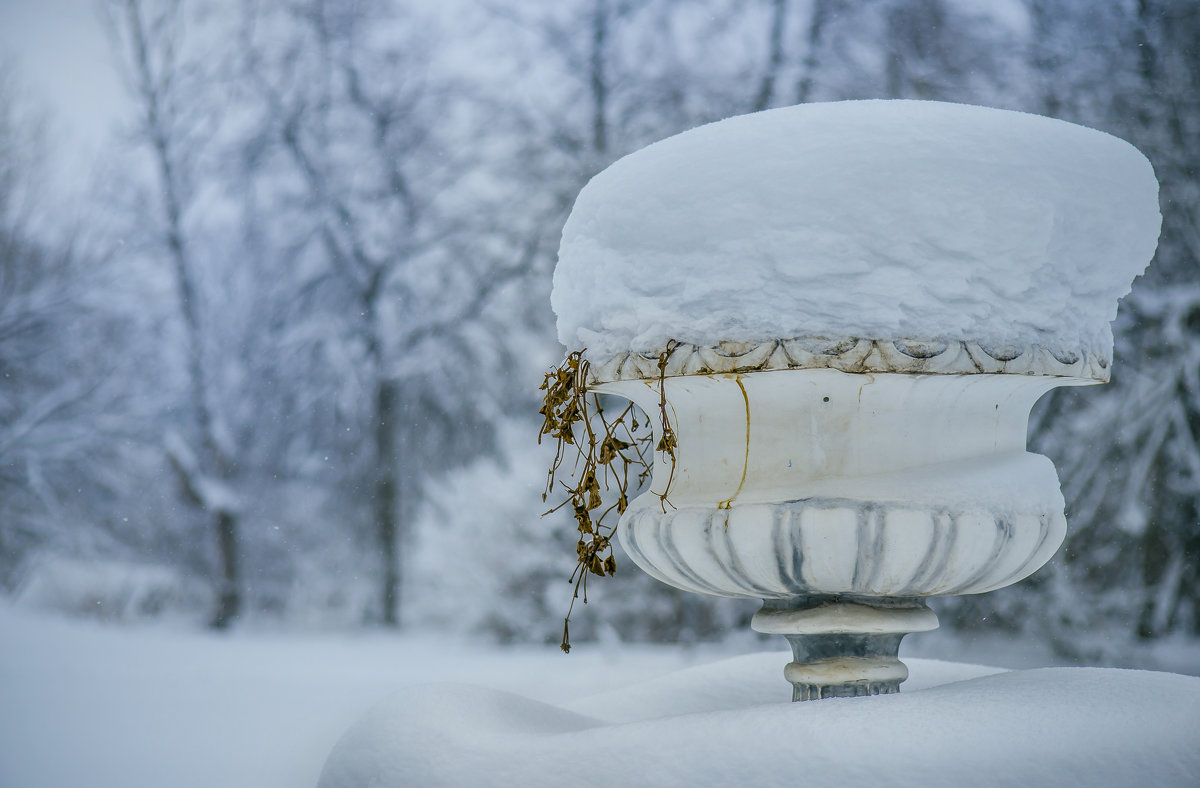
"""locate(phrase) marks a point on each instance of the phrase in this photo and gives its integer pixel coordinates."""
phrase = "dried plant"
(604, 451)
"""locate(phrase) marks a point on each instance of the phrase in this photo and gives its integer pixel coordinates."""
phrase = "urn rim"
(853, 355)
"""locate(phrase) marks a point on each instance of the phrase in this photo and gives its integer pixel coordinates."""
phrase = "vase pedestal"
(843, 648)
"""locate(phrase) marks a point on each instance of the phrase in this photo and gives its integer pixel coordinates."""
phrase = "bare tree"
(775, 55)
(935, 51)
(1151, 96)
(58, 398)
(352, 126)
(820, 16)
(149, 38)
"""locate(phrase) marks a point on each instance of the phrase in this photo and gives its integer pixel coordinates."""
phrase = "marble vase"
(844, 482)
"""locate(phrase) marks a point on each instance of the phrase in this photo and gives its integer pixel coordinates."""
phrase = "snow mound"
(874, 219)
(963, 725)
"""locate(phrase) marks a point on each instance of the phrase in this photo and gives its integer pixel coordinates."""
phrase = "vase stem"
(844, 648)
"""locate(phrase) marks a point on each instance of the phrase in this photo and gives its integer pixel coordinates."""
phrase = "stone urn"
(844, 483)
(845, 313)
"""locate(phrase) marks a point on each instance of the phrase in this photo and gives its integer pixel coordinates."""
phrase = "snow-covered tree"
(174, 127)
(61, 402)
(358, 160)
(1129, 453)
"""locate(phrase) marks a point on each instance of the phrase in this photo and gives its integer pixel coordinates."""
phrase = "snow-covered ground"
(82, 704)
(723, 725)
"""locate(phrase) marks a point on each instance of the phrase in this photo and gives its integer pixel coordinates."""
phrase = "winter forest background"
(280, 367)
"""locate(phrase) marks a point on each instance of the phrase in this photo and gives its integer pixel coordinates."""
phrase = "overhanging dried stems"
(604, 452)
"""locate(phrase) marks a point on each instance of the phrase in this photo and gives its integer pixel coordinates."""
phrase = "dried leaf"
(567, 414)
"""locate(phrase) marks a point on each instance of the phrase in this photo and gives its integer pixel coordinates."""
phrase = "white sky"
(63, 64)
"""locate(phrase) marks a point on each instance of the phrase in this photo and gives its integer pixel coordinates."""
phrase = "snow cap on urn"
(895, 220)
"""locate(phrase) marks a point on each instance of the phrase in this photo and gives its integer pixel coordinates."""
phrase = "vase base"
(841, 648)
(819, 691)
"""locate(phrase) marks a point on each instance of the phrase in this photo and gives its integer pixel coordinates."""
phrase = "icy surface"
(876, 219)
(726, 725)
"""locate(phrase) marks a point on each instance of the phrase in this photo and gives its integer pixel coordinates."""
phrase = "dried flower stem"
(605, 450)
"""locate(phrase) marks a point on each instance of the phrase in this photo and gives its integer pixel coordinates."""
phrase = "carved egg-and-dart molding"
(856, 356)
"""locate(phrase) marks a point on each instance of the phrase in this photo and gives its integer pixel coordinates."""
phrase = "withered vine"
(604, 452)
